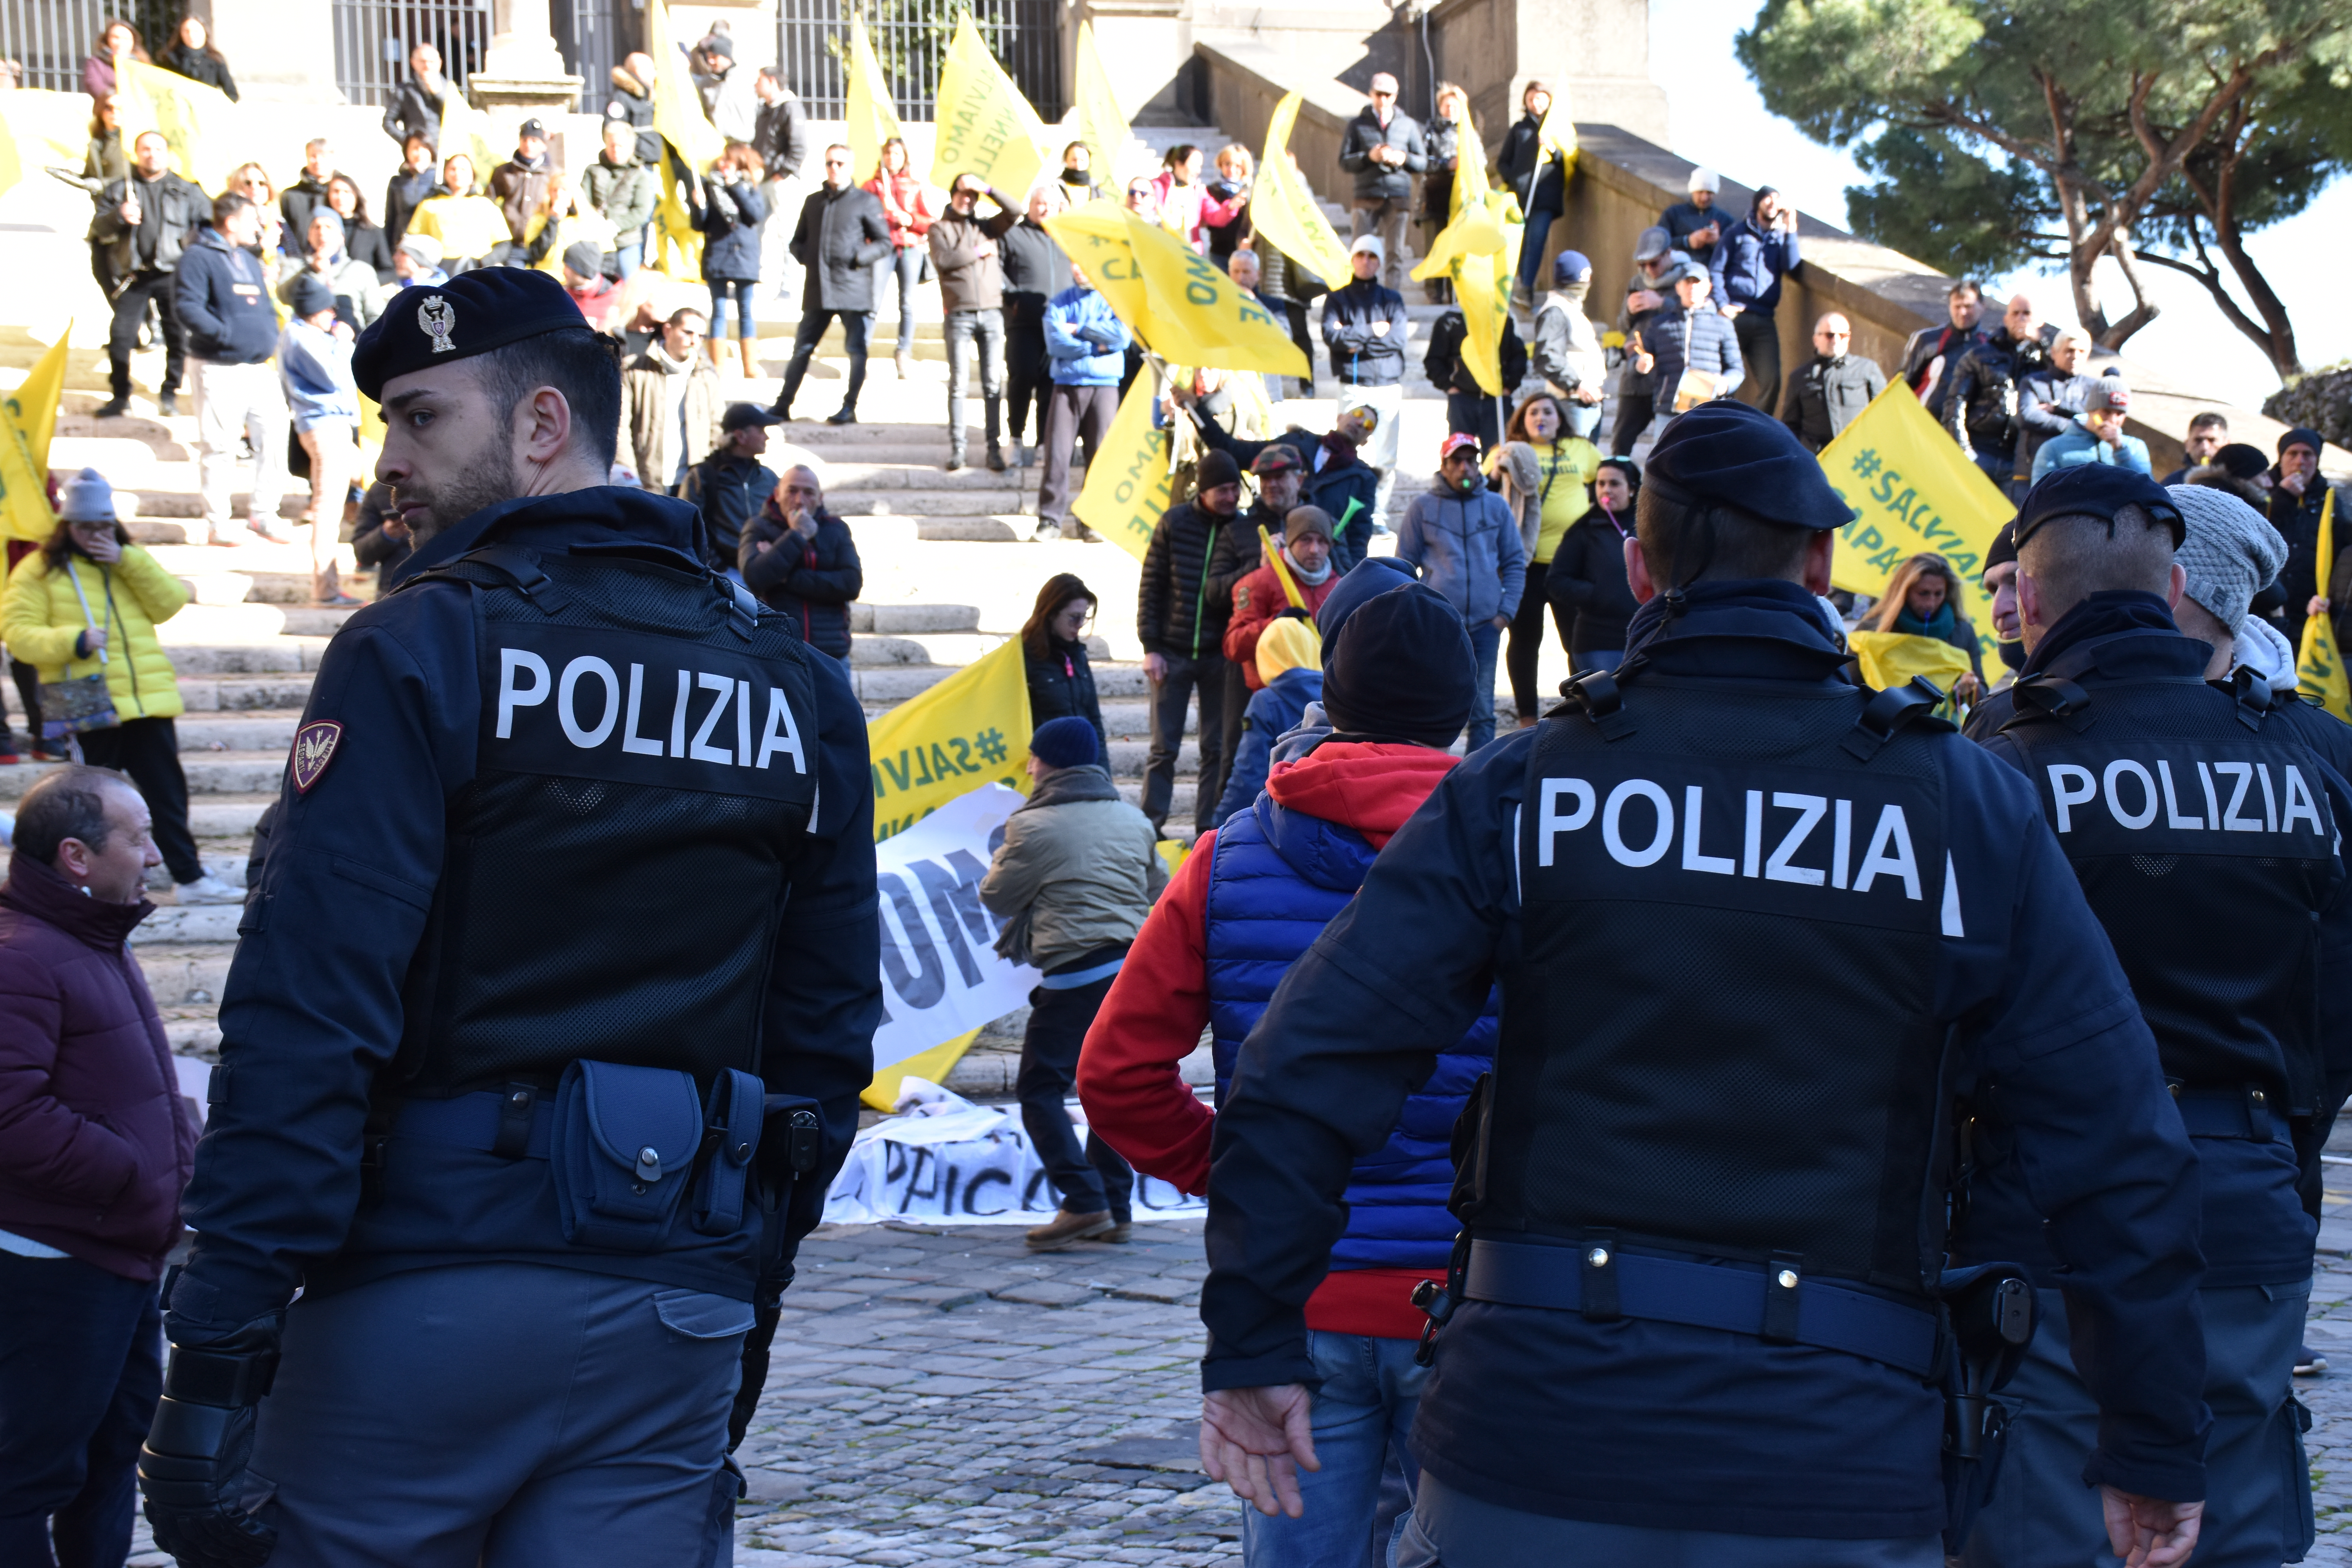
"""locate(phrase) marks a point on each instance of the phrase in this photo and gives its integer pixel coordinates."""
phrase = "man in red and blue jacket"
(1251, 897)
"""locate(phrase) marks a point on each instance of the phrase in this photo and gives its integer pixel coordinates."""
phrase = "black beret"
(2100, 490)
(2002, 551)
(472, 313)
(1729, 454)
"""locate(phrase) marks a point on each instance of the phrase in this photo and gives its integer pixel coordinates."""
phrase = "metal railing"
(910, 39)
(50, 39)
(373, 38)
(594, 36)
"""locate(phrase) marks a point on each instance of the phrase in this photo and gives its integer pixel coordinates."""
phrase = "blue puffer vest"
(1275, 878)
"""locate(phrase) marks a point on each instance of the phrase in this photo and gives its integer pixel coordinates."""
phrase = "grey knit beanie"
(2231, 551)
(87, 498)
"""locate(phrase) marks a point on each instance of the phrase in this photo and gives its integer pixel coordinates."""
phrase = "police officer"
(2203, 820)
(548, 1018)
(1754, 927)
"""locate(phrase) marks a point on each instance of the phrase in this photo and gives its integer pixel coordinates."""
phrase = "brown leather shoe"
(1069, 1227)
(1120, 1231)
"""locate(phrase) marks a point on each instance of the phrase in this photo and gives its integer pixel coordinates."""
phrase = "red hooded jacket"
(1128, 1081)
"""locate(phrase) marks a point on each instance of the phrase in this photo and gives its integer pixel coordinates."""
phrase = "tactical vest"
(2201, 829)
(616, 868)
(1719, 1037)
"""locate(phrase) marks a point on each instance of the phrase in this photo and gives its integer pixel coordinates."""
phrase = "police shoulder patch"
(314, 748)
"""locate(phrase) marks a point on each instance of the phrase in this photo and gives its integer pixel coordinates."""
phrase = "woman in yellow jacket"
(88, 603)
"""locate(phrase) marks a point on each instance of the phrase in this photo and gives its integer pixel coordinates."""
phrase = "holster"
(1989, 1316)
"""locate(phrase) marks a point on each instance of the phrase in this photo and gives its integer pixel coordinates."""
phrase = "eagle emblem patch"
(314, 748)
(438, 317)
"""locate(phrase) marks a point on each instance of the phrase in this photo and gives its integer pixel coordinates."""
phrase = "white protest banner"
(949, 1161)
(941, 973)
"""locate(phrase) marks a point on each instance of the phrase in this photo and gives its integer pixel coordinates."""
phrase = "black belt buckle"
(1597, 1278)
(1784, 1284)
(517, 1108)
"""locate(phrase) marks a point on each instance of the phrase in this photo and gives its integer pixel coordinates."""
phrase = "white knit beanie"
(2231, 553)
(87, 498)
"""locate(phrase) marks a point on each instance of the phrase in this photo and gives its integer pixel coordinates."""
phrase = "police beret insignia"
(314, 748)
(437, 316)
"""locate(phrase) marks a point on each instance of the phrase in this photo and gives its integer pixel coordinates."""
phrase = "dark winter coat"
(295, 203)
(731, 491)
(1062, 686)
(1033, 265)
(1346, 492)
(812, 583)
(729, 219)
(840, 237)
(414, 111)
(1825, 395)
(780, 135)
(172, 205)
(199, 65)
(96, 1140)
(1378, 181)
(1362, 356)
(1178, 612)
(1747, 264)
(366, 242)
(1687, 218)
(1921, 352)
(402, 194)
(1981, 391)
(633, 105)
(1449, 371)
(1702, 339)
(224, 302)
(1522, 152)
(1586, 584)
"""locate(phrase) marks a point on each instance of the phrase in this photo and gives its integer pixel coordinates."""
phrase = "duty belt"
(516, 1121)
(2232, 1110)
(1776, 1303)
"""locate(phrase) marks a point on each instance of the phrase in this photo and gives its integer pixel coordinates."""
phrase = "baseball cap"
(1455, 443)
(532, 127)
(741, 415)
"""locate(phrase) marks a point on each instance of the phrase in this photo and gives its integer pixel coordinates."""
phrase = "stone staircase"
(950, 574)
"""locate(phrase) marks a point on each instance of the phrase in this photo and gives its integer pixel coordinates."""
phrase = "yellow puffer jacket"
(41, 616)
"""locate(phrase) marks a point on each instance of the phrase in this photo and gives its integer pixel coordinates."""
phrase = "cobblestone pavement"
(2328, 1444)
(946, 1395)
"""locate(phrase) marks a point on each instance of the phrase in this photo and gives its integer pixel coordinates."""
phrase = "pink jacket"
(1189, 211)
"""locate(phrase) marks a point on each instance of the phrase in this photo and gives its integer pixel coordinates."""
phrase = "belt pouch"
(733, 1121)
(623, 1153)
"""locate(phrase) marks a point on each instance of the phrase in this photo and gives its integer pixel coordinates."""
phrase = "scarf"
(1337, 450)
(1312, 579)
(660, 356)
(1939, 625)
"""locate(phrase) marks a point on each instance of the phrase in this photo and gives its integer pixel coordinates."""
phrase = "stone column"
(522, 78)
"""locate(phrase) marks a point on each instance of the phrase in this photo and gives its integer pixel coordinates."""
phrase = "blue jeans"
(499, 1414)
(1361, 1415)
(1485, 639)
(854, 327)
(81, 1365)
(741, 288)
(1531, 246)
(629, 258)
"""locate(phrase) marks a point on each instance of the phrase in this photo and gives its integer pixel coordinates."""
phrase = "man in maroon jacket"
(96, 1145)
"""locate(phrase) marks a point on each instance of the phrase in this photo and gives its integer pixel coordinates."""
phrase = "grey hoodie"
(1466, 545)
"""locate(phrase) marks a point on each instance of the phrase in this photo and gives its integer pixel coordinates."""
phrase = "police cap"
(1727, 453)
(471, 314)
(2100, 490)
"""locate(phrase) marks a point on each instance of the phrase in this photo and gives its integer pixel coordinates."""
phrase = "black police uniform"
(2203, 821)
(542, 1040)
(1753, 928)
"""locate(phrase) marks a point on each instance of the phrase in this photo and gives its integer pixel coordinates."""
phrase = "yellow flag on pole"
(40, 129)
(1175, 299)
(1131, 481)
(872, 118)
(970, 729)
(1913, 491)
(984, 126)
(679, 121)
(1102, 126)
(199, 122)
(2319, 664)
(30, 415)
(1556, 139)
(1284, 210)
(1470, 185)
(1473, 250)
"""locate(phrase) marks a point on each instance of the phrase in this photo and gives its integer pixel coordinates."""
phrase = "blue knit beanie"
(1068, 741)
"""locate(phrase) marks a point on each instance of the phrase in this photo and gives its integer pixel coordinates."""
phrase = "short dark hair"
(580, 363)
(69, 804)
(2074, 556)
(228, 204)
(2209, 419)
(1965, 286)
(1729, 542)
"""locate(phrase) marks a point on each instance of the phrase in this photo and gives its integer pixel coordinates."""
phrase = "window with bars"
(50, 39)
(910, 40)
(373, 38)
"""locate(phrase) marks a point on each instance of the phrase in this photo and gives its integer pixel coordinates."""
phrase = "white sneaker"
(230, 533)
(210, 890)
(271, 530)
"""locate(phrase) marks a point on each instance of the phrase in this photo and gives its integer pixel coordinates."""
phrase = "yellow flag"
(1101, 125)
(1130, 483)
(2319, 665)
(206, 130)
(1474, 251)
(1176, 301)
(30, 415)
(1556, 139)
(680, 123)
(970, 729)
(1470, 185)
(1284, 210)
(1915, 491)
(38, 129)
(984, 126)
(872, 118)
(1891, 658)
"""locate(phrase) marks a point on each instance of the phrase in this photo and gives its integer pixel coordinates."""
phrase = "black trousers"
(1092, 1178)
(1759, 349)
(129, 310)
(1207, 675)
(1029, 371)
(1296, 315)
(81, 1365)
(1525, 645)
(149, 750)
(1634, 411)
